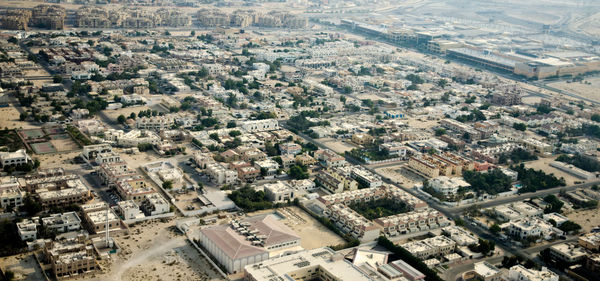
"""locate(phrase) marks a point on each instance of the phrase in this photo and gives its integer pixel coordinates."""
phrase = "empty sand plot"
(23, 266)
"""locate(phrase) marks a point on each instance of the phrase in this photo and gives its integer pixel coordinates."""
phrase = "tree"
(234, 133)
(440, 132)
(167, 184)
(442, 83)
(31, 206)
(298, 172)
(495, 228)
(570, 227)
(555, 205)
(193, 33)
(23, 116)
(57, 79)
(215, 137)
(121, 119)
(231, 124)
(519, 126)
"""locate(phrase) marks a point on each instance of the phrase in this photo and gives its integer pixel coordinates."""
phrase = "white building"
(155, 204)
(11, 194)
(279, 191)
(27, 229)
(253, 126)
(448, 186)
(520, 273)
(534, 227)
(219, 174)
(18, 157)
(61, 223)
(129, 210)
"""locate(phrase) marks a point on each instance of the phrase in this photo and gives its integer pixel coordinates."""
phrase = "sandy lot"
(337, 145)
(306, 226)
(155, 251)
(582, 89)
(114, 113)
(588, 219)
(544, 165)
(9, 118)
(399, 175)
(24, 266)
(134, 161)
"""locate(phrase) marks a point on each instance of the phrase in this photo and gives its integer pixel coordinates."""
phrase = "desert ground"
(588, 219)
(23, 266)
(156, 251)
(544, 165)
(336, 145)
(399, 175)
(588, 88)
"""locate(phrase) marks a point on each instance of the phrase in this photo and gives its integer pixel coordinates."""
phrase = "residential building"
(434, 246)
(219, 174)
(448, 186)
(335, 182)
(290, 148)
(252, 126)
(70, 257)
(279, 192)
(590, 241)
(520, 273)
(567, 253)
(61, 223)
(14, 158)
(154, 204)
(27, 229)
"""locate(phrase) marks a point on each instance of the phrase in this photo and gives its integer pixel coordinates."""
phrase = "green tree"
(520, 126)
(121, 119)
(57, 79)
(167, 184)
(495, 228)
(23, 116)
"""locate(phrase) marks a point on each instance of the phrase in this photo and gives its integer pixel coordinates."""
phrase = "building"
(315, 264)
(486, 272)
(408, 271)
(567, 253)
(18, 157)
(99, 220)
(529, 227)
(154, 204)
(362, 139)
(27, 229)
(461, 236)
(448, 186)
(253, 126)
(290, 148)
(590, 241)
(129, 210)
(329, 159)
(335, 182)
(252, 240)
(70, 257)
(73, 192)
(11, 194)
(219, 174)
(61, 223)
(434, 246)
(90, 152)
(280, 192)
(520, 273)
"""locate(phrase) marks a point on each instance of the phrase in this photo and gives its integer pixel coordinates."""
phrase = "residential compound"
(337, 209)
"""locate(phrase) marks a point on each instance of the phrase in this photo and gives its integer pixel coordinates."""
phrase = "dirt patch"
(24, 266)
